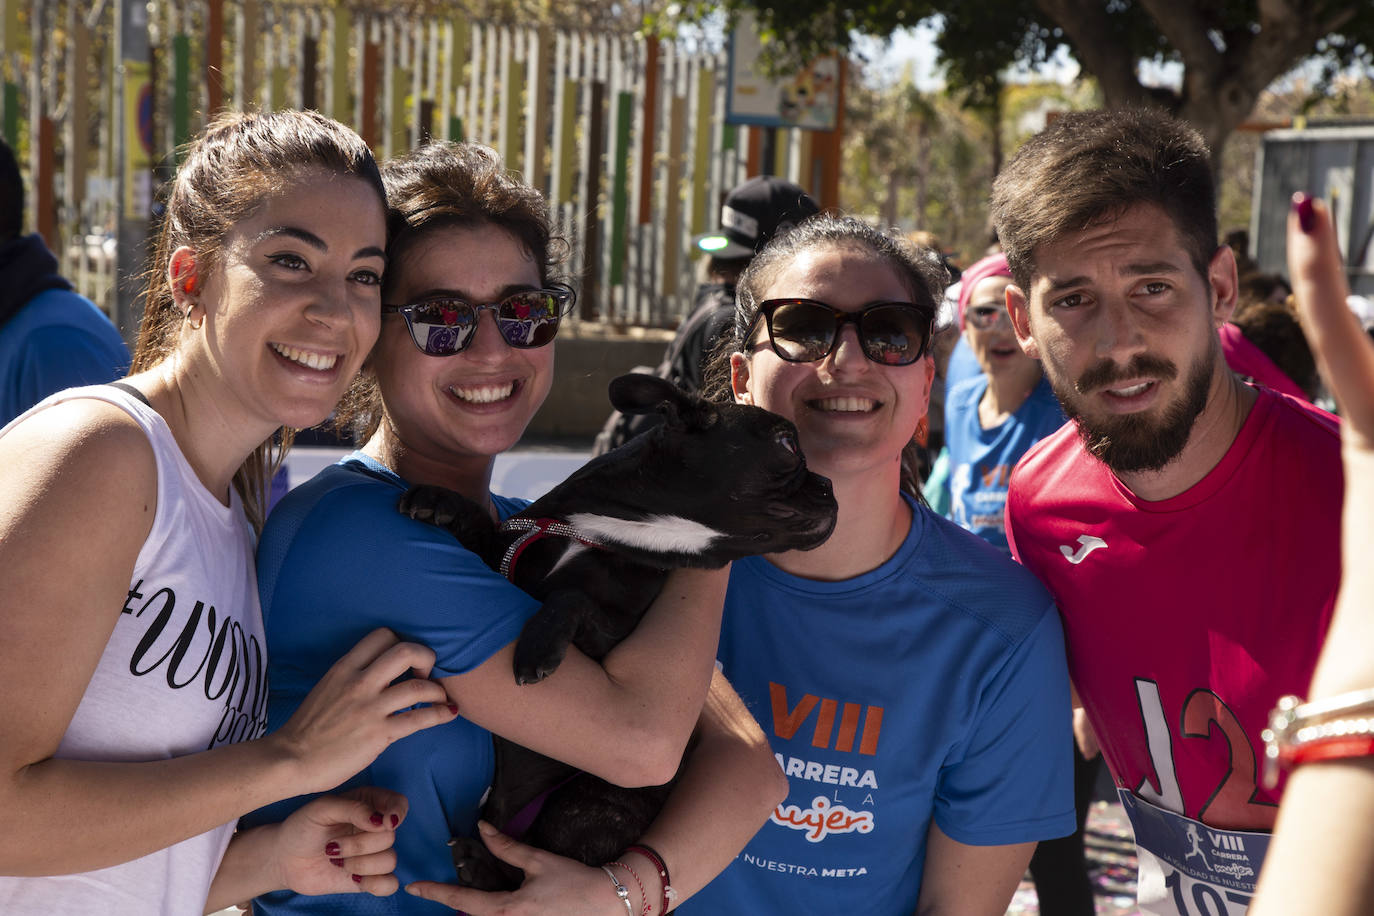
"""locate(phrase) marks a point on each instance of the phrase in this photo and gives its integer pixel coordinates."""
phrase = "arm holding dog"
(80, 462)
(645, 694)
(729, 786)
(730, 783)
(712, 483)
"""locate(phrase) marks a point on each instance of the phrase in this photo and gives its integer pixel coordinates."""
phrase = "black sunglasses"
(445, 325)
(804, 330)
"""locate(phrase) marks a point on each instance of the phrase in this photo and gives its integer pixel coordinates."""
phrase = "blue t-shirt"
(335, 562)
(932, 687)
(962, 365)
(58, 340)
(980, 460)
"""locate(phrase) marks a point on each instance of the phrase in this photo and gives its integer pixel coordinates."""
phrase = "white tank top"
(185, 670)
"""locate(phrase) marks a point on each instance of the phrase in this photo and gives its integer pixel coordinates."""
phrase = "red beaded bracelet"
(1329, 729)
(1331, 749)
(657, 862)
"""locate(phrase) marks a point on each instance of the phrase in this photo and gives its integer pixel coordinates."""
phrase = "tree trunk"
(995, 122)
(1223, 74)
(922, 177)
(894, 185)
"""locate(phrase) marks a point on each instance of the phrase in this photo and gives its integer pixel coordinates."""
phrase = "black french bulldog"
(713, 483)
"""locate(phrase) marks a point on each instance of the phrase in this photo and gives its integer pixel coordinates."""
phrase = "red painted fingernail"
(394, 821)
(376, 819)
(338, 863)
(453, 709)
(357, 879)
(1307, 216)
(331, 848)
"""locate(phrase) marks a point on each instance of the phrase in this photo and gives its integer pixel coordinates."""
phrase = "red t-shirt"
(1187, 618)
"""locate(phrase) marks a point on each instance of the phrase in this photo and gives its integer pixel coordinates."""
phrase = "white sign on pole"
(807, 98)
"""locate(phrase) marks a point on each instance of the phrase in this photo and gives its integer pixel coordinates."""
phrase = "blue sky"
(913, 50)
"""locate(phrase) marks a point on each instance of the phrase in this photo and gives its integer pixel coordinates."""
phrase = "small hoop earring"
(923, 431)
(195, 326)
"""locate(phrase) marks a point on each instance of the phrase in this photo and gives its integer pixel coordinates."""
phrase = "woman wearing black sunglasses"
(463, 361)
(910, 678)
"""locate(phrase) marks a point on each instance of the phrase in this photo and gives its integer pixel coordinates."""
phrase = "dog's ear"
(639, 392)
(689, 412)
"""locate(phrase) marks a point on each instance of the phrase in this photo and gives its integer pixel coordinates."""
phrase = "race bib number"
(1186, 868)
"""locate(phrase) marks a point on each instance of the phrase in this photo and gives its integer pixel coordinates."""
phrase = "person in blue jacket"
(51, 338)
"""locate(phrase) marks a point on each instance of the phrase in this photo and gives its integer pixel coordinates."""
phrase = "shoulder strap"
(131, 390)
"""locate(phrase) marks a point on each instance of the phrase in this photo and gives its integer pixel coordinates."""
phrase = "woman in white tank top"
(132, 664)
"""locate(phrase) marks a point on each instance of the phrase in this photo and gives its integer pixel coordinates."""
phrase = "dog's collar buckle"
(535, 529)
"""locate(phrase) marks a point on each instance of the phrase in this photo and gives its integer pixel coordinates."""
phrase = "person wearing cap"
(753, 213)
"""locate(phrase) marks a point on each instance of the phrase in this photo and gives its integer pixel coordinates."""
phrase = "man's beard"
(1128, 443)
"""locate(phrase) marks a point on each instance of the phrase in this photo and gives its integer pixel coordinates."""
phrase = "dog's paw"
(459, 516)
(428, 503)
(479, 869)
(545, 638)
(532, 674)
(535, 661)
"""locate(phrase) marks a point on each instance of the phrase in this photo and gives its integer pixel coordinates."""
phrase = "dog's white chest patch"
(657, 533)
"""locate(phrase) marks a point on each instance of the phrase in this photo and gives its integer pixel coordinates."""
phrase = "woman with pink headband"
(992, 419)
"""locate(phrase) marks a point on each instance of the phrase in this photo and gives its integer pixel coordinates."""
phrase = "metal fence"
(1336, 163)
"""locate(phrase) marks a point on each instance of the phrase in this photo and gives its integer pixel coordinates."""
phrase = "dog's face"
(735, 470)
(769, 500)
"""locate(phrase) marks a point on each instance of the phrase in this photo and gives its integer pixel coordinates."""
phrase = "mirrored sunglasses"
(986, 317)
(805, 330)
(443, 326)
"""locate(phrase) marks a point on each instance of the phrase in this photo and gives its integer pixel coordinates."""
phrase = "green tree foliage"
(1230, 50)
(924, 161)
(1344, 99)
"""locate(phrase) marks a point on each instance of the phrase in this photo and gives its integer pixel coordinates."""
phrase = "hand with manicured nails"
(1345, 357)
(356, 711)
(1321, 859)
(553, 884)
(341, 844)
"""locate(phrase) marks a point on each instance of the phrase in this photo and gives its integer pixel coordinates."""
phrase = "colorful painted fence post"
(9, 121)
(625, 135)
